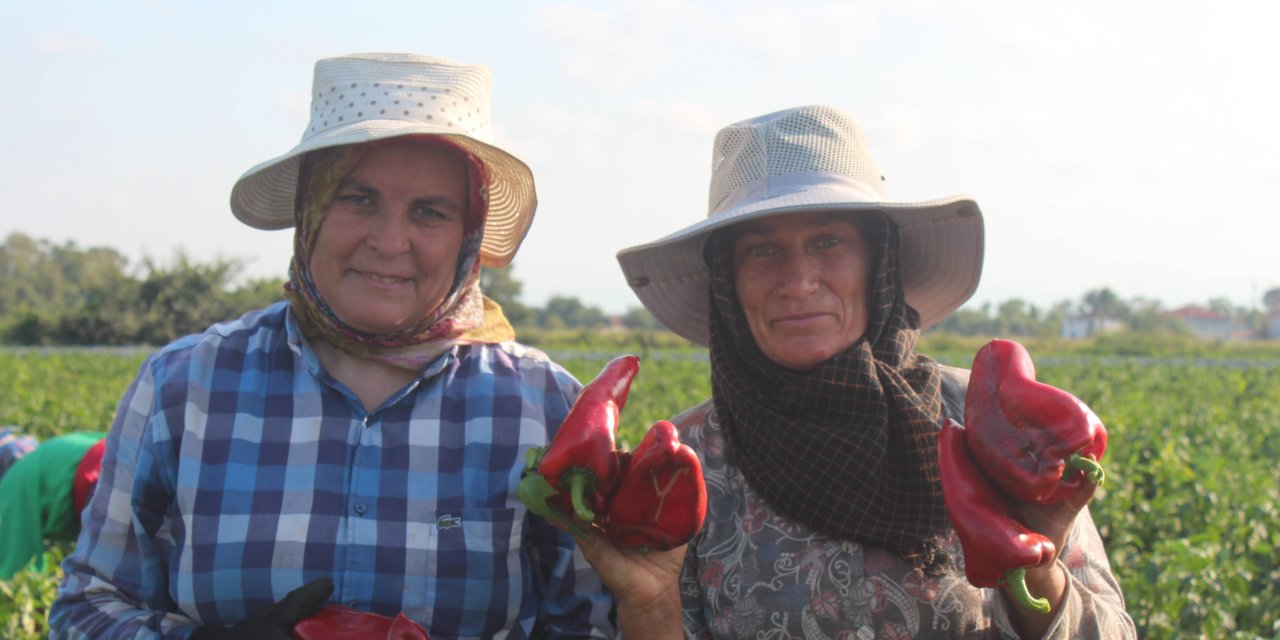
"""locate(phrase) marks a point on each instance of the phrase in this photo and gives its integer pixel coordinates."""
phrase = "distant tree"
(255, 294)
(501, 286)
(39, 277)
(639, 319)
(1103, 303)
(1223, 306)
(1147, 316)
(185, 297)
(968, 321)
(564, 312)
(1271, 300)
(62, 294)
(1016, 317)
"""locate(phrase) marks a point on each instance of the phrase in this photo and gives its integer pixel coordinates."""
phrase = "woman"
(826, 517)
(42, 495)
(361, 442)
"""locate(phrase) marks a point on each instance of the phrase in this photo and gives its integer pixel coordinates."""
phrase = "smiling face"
(802, 282)
(387, 251)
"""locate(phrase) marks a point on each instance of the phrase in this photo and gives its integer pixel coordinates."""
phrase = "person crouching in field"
(43, 490)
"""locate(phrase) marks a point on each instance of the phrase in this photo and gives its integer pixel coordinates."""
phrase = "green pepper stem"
(1016, 580)
(1091, 468)
(577, 488)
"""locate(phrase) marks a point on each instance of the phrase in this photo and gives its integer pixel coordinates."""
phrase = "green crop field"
(1190, 512)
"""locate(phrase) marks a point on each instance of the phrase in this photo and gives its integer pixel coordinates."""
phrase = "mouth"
(382, 279)
(799, 320)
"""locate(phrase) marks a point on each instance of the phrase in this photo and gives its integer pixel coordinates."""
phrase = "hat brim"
(264, 196)
(939, 260)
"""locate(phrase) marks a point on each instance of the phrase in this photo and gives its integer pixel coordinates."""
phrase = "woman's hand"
(1053, 521)
(277, 623)
(647, 585)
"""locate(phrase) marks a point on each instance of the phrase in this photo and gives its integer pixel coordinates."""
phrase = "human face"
(387, 250)
(802, 282)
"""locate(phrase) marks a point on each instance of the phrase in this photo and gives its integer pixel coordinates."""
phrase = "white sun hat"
(373, 96)
(806, 159)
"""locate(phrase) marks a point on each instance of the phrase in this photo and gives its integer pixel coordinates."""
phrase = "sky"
(1124, 144)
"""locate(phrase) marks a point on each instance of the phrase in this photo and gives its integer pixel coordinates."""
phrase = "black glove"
(277, 623)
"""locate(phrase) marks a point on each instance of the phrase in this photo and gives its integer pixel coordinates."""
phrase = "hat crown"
(812, 144)
(368, 87)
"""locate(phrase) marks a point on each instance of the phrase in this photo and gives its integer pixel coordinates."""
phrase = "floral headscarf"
(464, 316)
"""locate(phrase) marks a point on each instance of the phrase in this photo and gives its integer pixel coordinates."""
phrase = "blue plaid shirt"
(238, 469)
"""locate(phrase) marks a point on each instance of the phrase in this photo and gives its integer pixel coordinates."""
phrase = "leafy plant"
(25, 600)
(1188, 513)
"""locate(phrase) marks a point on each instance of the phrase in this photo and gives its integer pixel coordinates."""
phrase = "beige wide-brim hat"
(374, 96)
(806, 159)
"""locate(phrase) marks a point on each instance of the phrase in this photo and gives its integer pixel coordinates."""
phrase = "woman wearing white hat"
(359, 443)
(825, 514)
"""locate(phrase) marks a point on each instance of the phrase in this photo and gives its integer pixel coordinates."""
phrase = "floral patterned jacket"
(751, 573)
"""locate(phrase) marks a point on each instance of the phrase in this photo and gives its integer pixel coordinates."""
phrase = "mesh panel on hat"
(821, 140)
(731, 167)
(816, 140)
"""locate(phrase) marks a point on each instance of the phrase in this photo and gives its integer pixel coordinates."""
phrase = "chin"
(377, 325)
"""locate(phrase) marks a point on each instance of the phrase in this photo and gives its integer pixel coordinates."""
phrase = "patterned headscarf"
(464, 316)
(847, 448)
(13, 446)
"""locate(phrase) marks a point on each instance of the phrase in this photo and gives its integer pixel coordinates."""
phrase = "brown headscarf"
(848, 448)
(465, 315)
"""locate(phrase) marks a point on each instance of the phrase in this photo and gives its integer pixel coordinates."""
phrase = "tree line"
(61, 294)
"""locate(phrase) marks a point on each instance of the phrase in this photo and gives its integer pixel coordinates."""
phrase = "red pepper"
(997, 548)
(335, 622)
(1038, 442)
(662, 500)
(573, 476)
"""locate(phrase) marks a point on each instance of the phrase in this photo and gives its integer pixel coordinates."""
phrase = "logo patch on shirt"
(448, 521)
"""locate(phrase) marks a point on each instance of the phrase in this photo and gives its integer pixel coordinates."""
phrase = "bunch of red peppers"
(649, 498)
(336, 622)
(1037, 443)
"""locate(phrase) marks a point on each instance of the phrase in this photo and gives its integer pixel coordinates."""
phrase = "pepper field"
(1190, 512)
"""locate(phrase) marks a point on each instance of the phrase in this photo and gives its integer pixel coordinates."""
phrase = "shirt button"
(360, 509)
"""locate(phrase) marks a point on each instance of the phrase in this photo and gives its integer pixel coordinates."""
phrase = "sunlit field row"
(1189, 512)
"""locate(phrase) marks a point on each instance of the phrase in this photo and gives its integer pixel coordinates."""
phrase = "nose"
(388, 234)
(798, 275)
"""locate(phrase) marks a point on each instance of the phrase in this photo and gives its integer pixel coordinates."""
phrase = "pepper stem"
(1016, 580)
(577, 488)
(1091, 468)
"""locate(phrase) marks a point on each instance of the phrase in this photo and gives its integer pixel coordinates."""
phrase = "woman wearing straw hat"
(359, 443)
(825, 516)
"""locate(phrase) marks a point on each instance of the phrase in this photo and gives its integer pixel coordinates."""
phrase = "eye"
(430, 214)
(828, 241)
(354, 199)
(757, 250)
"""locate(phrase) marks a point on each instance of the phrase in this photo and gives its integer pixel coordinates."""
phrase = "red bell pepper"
(335, 622)
(1038, 442)
(662, 500)
(997, 548)
(570, 480)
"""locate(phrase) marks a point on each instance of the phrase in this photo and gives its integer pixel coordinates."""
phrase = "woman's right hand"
(646, 585)
(277, 623)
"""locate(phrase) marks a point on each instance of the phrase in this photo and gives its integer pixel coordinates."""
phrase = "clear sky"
(1125, 144)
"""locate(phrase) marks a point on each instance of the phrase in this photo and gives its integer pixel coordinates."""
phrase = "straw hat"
(805, 159)
(374, 96)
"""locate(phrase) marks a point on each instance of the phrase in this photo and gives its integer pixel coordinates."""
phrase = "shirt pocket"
(468, 580)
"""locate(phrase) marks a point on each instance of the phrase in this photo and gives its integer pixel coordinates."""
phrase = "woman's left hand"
(1055, 522)
(646, 585)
